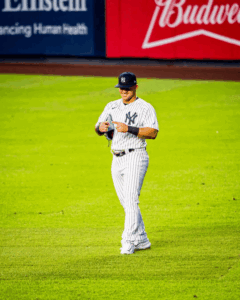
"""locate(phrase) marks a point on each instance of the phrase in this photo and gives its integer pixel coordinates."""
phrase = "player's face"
(128, 94)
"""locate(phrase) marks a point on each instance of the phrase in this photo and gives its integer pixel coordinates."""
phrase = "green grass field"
(61, 221)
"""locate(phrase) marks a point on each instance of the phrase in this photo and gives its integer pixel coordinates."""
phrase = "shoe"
(143, 245)
(127, 248)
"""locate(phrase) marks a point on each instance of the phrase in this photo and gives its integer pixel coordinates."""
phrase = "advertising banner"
(173, 29)
(52, 27)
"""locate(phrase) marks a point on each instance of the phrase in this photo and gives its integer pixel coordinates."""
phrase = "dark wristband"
(133, 130)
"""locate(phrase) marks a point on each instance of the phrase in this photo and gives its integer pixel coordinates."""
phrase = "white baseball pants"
(128, 172)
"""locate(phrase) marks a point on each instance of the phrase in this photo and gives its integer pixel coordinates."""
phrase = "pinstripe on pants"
(128, 173)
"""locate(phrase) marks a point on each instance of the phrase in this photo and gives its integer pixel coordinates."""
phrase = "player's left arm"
(150, 124)
(147, 133)
(142, 133)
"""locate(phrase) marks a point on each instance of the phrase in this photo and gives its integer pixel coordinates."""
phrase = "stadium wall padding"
(52, 27)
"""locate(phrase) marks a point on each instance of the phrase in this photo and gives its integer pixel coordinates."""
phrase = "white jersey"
(138, 114)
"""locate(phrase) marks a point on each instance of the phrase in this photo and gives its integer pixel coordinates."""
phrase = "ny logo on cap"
(123, 79)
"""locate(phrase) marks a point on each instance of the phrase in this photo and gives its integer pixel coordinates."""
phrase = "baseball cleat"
(143, 246)
(127, 248)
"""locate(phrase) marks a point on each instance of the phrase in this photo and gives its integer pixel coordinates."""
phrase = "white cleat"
(127, 248)
(143, 246)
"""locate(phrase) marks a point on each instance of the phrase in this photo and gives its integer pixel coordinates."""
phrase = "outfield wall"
(153, 29)
(170, 29)
(52, 27)
(163, 32)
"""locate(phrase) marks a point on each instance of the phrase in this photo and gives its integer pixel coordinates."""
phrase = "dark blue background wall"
(52, 27)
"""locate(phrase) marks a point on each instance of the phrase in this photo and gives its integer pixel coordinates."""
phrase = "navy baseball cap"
(126, 80)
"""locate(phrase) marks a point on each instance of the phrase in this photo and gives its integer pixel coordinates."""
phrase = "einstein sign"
(52, 27)
(44, 5)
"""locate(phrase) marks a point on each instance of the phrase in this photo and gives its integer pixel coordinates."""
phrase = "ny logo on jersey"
(131, 119)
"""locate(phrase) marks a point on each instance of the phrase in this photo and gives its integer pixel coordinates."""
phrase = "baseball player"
(129, 121)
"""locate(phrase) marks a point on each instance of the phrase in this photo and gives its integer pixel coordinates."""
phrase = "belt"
(121, 153)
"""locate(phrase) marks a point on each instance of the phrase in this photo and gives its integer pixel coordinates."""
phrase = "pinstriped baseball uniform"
(128, 171)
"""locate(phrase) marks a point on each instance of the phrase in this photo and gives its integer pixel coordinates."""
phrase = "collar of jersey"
(129, 103)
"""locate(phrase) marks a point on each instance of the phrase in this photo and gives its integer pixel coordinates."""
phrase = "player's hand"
(121, 127)
(104, 126)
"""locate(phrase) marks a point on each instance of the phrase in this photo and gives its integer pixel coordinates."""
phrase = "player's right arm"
(101, 128)
(102, 125)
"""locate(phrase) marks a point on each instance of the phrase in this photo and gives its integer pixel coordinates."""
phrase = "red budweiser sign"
(207, 29)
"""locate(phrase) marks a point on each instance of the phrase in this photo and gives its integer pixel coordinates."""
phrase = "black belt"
(121, 153)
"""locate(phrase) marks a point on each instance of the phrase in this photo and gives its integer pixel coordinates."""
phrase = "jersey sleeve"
(104, 115)
(150, 119)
